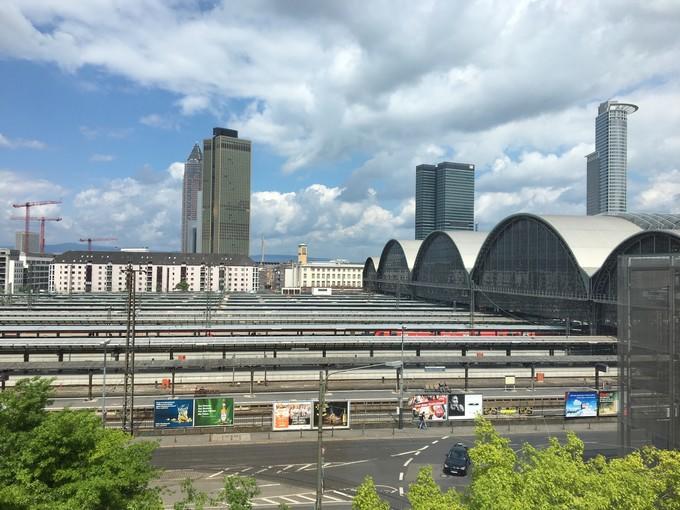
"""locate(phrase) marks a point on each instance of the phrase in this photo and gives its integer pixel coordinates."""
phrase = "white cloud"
(20, 143)
(158, 121)
(102, 158)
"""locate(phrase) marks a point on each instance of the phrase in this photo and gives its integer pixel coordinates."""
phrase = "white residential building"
(78, 271)
(20, 271)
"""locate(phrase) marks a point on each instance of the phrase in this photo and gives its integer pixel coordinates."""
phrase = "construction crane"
(42, 220)
(89, 241)
(27, 217)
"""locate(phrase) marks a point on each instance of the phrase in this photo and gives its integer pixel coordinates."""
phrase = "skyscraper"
(426, 197)
(445, 197)
(611, 139)
(192, 200)
(226, 193)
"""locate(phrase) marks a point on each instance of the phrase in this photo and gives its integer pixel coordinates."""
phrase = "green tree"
(367, 497)
(238, 492)
(182, 285)
(425, 494)
(65, 459)
(193, 499)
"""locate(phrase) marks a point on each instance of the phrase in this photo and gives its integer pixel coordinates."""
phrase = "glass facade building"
(192, 200)
(611, 154)
(649, 351)
(445, 198)
(226, 194)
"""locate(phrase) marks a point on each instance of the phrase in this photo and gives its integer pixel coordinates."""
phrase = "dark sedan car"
(457, 461)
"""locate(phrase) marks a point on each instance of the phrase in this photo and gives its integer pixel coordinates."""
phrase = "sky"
(101, 102)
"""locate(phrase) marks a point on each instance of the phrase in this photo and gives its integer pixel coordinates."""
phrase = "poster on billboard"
(211, 412)
(580, 404)
(433, 407)
(292, 416)
(608, 404)
(464, 406)
(336, 414)
(173, 413)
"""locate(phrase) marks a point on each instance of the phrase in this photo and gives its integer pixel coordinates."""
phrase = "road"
(286, 472)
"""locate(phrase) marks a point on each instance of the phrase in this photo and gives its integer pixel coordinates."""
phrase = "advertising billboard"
(211, 412)
(432, 406)
(173, 413)
(580, 404)
(292, 416)
(464, 406)
(336, 414)
(608, 403)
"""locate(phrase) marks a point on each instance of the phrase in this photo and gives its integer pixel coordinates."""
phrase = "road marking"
(306, 497)
(246, 469)
(302, 468)
(216, 474)
(401, 476)
(260, 471)
(402, 453)
(269, 485)
(342, 494)
(288, 467)
(417, 453)
(435, 441)
(408, 462)
(269, 501)
(424, 448)
(401, 491)
(445, 438)
(332, 498)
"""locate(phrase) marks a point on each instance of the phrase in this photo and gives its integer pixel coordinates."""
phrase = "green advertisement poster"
(210, 412)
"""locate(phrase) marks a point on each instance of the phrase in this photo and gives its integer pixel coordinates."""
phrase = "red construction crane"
(42, 220)
(27, 217)
(96, 239)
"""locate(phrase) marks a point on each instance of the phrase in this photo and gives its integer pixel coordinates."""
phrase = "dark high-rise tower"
(445, 197)
(192, 198)
(426, 197)
(607, 192)
(226, 193)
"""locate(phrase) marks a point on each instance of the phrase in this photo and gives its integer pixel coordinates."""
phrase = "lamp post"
(104, 343)
(323, 382)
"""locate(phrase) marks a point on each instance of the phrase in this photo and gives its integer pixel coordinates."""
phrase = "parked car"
(457, 461)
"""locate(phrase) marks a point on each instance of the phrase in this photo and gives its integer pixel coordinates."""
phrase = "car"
(457, 461)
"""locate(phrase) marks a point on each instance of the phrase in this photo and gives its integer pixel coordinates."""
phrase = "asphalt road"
(286, 472)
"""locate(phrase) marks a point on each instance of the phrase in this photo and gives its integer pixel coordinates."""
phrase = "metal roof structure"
(652, 221)
(409, 249)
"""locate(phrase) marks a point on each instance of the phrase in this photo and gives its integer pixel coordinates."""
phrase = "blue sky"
(101, 102)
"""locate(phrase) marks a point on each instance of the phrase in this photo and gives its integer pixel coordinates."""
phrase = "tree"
(193, 499)
(182, 285)
(65, 459)
(238, 492)
(367, 497)
(425, 494)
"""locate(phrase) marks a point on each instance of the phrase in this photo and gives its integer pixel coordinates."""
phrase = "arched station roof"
(464, 246)
(589, 239)
(652, 221)
(408, 249)
(647, 242)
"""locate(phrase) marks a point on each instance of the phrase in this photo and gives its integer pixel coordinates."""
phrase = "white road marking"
(332, 498)
(342, 494)
(288, 467)
(401, 491)
(290, 500)
(216, 474)
(401, 476)
(306, 497)
(402, 453)
(417, 453)
(445, 438)
(269, 501)
(269, 485)
(260, 471)
(408, 462)
(424, 448)
(302, 468)
(435, 441)
(246, 469)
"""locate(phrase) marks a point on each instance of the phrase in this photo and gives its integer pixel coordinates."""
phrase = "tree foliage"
(425, 494)
(64, 460)
(367, 497)
(238, 492)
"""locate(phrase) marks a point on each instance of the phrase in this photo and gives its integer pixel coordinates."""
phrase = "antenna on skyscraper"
(262, 251)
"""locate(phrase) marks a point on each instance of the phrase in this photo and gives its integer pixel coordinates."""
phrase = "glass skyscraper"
(606, 191)
(226, 193)
(445, 197)
(192, 200)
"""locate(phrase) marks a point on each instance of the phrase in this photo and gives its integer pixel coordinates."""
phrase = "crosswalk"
(279, 468)
(305, 498)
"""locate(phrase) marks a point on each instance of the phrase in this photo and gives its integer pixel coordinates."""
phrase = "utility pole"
(319, 443)
(401, 382)
(129, 379)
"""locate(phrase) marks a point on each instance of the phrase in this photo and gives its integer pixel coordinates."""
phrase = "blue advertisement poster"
(173, 413)
(580, 404)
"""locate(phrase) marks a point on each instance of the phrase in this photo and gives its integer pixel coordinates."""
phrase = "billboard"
(210, 412)
(335, 415)
(173, 413)
(292, 416)
(608, 403)
(432, 406)
(580, 404)
(464, 406)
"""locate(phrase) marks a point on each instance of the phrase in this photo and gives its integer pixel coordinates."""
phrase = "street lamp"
(323, 381)
(401, 382)
(104, 343)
